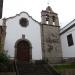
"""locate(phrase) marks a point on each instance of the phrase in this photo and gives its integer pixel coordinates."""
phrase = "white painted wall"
(1, 22)
(14, 32)
(68, 51)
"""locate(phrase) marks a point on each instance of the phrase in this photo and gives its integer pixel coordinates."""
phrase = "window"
(53, 20)
(70, 40)
(47, 19)
(23, 22)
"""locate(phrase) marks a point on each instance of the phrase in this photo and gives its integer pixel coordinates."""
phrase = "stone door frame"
(30, 48)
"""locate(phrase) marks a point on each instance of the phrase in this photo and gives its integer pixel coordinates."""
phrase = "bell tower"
(51, 46)
(1, 7)
(49, 17)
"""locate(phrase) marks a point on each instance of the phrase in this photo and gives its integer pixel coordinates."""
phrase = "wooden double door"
(23, 51)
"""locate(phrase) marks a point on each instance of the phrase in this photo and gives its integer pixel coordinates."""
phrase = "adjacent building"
(67, 35)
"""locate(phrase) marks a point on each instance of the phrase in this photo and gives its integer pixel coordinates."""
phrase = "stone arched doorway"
(23, 50)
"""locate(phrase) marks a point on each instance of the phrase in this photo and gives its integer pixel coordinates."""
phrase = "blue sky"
(64, 8)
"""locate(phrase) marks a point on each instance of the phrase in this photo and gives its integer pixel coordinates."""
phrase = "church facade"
(25, 39)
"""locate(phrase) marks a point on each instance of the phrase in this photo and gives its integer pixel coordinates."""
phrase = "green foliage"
(61, 68)
(5, 63)
(4, 58)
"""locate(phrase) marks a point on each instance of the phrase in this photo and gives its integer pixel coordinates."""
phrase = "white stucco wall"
(1, 22)
(68, 51)
(14, 32)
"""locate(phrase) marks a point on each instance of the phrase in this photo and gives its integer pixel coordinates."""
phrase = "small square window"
(70, 40)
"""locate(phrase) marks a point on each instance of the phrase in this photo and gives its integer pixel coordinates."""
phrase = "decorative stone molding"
(30, 47)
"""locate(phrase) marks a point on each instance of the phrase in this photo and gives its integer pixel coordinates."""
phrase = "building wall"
(32, 33)
(2, 38)
(68, 51)
(51, 44)
(1, 7)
